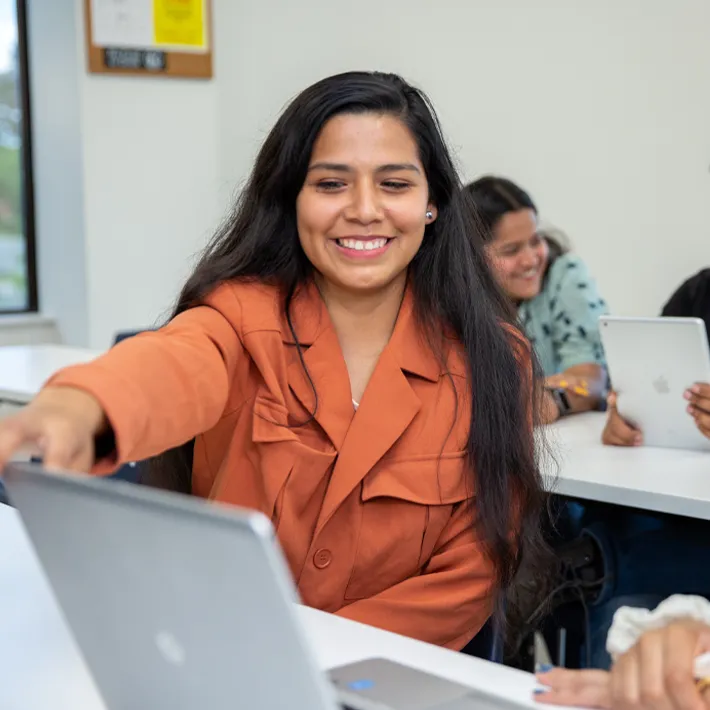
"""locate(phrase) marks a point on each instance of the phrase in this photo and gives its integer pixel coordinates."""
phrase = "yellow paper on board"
(179, 23)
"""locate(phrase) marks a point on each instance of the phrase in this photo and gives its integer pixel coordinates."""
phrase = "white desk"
(25, 368)
(43, 671)
(661, 480)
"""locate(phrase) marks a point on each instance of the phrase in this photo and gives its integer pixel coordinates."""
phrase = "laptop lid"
(174, 602)
(652, 361)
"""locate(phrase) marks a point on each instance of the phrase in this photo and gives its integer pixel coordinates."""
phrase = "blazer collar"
(408, 345)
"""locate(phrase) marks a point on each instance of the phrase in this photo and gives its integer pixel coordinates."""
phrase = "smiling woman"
(556, 296)
(341, 360)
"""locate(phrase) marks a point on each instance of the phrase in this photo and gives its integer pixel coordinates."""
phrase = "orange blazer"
(374, 508)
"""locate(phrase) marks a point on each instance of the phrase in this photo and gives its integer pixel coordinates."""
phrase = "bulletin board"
(169, 38)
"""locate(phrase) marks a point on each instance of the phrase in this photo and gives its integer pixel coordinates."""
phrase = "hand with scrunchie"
(661, 661)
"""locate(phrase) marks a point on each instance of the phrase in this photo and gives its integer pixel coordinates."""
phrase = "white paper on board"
(122, 23)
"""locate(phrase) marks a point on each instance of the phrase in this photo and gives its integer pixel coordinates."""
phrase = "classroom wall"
(151, 195)
(126, 178)
(600, 109)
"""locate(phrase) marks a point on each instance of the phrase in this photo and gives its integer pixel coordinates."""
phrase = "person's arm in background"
(149, 394)
(575, 309)
(584, 387)
(655, 662)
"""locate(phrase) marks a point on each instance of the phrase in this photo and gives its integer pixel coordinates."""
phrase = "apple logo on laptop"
(661, 386)
(170, 648)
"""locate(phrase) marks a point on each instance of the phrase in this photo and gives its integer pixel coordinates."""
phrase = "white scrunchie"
(630, 624)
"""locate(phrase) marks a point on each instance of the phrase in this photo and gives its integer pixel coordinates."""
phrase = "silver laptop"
(182, 604)
(652, 361)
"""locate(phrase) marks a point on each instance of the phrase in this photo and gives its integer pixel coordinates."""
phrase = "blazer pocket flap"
(270, 422)
(432, 481)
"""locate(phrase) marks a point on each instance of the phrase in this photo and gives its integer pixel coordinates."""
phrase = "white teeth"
(360, 245)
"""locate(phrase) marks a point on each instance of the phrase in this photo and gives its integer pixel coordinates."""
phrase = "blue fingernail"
(545, 668)
(540, 691)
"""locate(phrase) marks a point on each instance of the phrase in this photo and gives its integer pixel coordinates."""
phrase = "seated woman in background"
(658, 662)
(328, 366)
(557, 299)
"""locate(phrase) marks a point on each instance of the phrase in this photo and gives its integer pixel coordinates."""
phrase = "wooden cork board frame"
(189, 65)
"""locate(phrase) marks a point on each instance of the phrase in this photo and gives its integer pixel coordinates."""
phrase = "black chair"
(486, 644)
(130, 472)
(125, 334)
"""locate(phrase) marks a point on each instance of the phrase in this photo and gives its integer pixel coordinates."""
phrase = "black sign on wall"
(136, 59)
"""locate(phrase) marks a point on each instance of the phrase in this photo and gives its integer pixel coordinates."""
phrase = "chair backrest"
(125, 334)
(139, 471)
(130, 472)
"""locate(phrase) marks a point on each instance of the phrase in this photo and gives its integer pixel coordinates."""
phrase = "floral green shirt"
(562, 320)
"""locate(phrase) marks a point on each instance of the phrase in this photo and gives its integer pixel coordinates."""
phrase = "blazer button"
(322, 559)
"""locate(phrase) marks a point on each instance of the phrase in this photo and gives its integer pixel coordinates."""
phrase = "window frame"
(27, 187)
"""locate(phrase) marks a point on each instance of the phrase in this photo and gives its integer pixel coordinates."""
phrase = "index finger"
(585, 688)
(591, 696)
(702, 389)
(559, 678)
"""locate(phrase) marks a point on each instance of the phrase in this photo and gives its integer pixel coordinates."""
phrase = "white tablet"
(652, 362)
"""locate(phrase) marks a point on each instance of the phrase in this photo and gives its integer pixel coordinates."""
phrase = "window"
(18, 287)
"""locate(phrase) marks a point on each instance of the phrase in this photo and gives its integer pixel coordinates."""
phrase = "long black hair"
(494, 197)
(454, 291)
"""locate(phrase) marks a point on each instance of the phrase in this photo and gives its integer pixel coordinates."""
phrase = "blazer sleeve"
(448, 603)
(160, 389)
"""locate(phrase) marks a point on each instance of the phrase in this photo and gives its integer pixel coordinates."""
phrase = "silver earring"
(429, 214)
